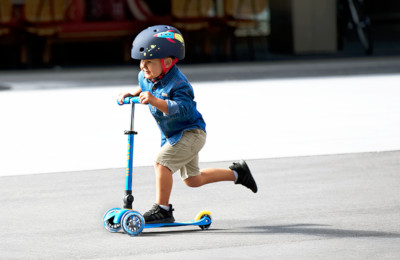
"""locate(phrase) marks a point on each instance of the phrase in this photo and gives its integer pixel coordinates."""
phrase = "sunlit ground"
(79, 129)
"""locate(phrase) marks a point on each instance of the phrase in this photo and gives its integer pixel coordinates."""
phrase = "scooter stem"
(128, 199)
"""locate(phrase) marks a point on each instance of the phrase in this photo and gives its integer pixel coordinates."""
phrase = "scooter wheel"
(132, 223)
(109, 222)
(202, 214)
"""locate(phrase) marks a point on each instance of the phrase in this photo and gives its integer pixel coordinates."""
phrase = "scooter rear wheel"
(202, 214)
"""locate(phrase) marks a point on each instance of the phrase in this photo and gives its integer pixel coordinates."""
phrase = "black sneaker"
(244, 175)
(159, 215)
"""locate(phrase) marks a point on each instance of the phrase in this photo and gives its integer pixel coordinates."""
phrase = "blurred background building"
(48, 33)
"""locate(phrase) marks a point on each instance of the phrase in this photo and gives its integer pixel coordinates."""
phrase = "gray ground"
(320, 207)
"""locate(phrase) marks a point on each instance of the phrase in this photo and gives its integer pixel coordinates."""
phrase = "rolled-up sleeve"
(173, 107)
(181, 103)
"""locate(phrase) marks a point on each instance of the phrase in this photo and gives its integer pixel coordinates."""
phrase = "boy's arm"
(146, 97)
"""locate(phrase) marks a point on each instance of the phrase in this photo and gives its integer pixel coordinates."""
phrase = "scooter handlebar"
(129, 100)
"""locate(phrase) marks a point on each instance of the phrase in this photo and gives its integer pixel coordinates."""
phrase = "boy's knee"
(157, 165)
(160, 167)
(192, 182)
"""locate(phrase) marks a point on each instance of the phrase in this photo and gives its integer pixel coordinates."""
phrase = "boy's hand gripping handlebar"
(129, 100)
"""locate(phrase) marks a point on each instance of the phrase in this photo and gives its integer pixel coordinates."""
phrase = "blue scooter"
(132, 222)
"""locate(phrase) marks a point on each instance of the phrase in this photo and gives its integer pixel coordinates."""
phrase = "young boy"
(183, 131)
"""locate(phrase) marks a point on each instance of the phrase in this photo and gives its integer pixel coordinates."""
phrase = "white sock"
(164, 207)
(236, 176)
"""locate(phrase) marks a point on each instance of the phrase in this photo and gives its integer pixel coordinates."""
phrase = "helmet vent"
(155, 30)
(142, 49)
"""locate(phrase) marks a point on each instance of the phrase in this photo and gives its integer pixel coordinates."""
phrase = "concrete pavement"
(319, 207)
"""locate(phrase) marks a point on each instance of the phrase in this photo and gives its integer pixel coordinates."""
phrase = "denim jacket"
(182, 112)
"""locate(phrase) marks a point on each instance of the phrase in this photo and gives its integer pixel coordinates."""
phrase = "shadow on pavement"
(318, 230)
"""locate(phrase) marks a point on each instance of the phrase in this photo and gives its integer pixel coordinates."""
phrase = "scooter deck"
(203, 221)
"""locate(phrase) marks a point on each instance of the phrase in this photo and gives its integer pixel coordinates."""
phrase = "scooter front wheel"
(109, 221)
(132, 223)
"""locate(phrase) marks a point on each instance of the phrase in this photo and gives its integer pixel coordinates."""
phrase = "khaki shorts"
(184, 155)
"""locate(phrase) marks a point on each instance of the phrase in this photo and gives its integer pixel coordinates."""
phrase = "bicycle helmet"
(158, 42)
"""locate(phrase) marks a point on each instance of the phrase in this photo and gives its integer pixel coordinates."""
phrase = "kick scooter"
(132, 222)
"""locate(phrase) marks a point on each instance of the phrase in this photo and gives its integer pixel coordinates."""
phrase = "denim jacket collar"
(167, 78)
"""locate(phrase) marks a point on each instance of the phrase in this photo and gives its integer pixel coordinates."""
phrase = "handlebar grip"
(129, 100)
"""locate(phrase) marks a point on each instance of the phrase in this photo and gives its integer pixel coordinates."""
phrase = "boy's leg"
(164, 183)
(210, 175)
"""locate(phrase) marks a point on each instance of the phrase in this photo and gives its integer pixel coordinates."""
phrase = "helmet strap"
(164, 69)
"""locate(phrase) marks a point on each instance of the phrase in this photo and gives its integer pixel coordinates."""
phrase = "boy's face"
(151, 68)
